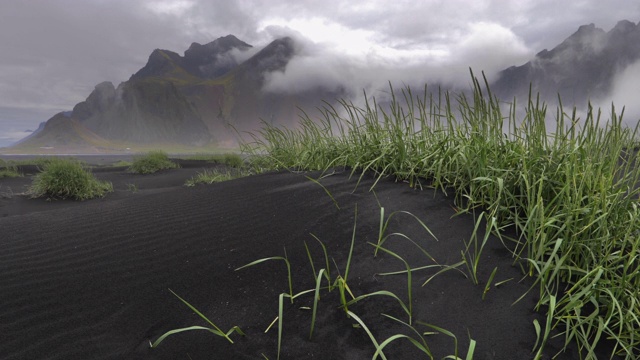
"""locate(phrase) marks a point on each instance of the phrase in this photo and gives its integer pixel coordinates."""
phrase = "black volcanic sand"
(91, 280)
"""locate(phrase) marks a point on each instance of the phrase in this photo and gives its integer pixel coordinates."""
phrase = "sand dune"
(91, 280)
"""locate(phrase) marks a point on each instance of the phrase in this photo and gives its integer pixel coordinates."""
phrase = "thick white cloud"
(333, 64)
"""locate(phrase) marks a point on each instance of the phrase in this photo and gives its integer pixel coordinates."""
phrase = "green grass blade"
(286, 261)
(381, 293)
(395, 337)
(424, 345)
(280, 308)
(366, 329)
(409, 278)
(190, 328)
(487, 287)
(446, 332)
(353, 241)
(201, 315)
(325, 190)
(316, 297)
(471, 350)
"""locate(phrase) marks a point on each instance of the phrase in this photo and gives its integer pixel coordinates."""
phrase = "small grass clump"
(151, 162)
(228, 159)
(212, 176)
(233, 160)
(122, 163)
(9, 172)
(61, 178)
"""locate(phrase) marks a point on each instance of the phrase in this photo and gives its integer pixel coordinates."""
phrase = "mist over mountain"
(217, 90)
(584, 67)
(202, 61)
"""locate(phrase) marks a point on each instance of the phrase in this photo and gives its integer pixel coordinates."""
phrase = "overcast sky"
(53, 52)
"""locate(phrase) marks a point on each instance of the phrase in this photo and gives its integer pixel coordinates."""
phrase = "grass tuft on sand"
(212, 176)
(234, 168)
(151, 162)
(228, 159)
(62, 178)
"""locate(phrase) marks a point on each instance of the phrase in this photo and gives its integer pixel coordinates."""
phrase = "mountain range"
(204, 98)
(214, 91)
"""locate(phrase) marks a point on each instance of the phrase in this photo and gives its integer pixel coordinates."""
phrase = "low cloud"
(487, 47)
(624, 94)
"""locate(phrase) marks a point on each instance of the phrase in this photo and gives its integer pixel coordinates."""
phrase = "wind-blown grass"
(570, 190)
(62, 178)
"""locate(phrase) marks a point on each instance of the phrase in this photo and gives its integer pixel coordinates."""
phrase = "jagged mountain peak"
(273, 57)
(208, 61)
(219, 45)
(580, 68)
(213, 59)
(588, 38)
(625, 26)
(101, 98)
(161, 62)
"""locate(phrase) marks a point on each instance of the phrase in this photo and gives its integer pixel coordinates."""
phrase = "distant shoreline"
(93, 159)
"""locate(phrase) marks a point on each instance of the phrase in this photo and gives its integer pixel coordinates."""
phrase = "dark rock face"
(581, 68)
(213, 59)
(274, 57)
(144, 112)
(160, 63)
(203, 61)
(100, 99)
(62, 130)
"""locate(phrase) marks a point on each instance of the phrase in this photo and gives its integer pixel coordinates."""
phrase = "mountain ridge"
(202, 98)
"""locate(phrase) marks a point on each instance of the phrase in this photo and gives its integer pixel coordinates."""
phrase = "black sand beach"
(91, 279)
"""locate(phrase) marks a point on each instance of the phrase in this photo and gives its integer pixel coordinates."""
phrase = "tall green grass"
(569, 190)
